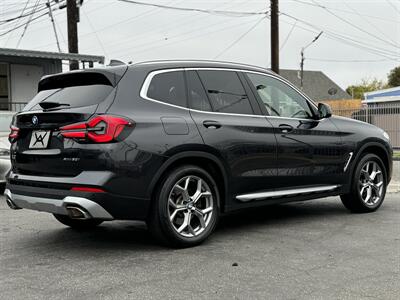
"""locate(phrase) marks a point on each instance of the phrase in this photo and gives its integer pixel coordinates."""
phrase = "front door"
(231, 124)
(310, 153)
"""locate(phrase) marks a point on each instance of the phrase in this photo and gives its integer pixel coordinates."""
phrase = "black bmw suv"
(179, 143)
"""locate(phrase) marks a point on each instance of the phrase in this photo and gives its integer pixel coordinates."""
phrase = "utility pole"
(303, 58)
(73, 19)
(275, 36)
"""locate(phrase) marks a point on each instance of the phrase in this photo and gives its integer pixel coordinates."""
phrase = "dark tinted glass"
(226, 92)
(74, 96)
(74, 90)
(169, 88)
(197, 95)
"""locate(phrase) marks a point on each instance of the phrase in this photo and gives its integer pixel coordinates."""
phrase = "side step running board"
(282, 193)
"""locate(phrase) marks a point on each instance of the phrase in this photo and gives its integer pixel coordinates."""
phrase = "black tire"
(76, 223)
(353, 200)
(159, 222)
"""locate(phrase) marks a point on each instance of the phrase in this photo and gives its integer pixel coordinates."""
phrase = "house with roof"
(21, 70)
(316, 84)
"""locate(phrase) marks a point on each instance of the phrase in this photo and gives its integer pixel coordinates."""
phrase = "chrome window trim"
(150, 76)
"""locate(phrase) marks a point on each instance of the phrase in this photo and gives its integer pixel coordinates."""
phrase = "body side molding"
(280, 193)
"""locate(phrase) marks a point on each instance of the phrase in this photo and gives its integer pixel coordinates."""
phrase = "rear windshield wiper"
(50, 105)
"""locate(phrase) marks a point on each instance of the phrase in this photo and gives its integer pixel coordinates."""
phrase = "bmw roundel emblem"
(35, 120)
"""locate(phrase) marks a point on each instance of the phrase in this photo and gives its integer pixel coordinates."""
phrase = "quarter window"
(280, 99)
(226, 92)
(168, 87)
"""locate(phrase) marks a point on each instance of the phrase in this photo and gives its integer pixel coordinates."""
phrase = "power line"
(353, 25)
(95, 33)
(208, 11)
(17, 23)
(394, 6)
(54, 25)
(186, 32)
(22, 25)
(189, 38)
(22, 15)
(368, 22)
(347, 39)
(288, 36)
(27, 23)
(348, 12)
(239, 38)
(145, 34)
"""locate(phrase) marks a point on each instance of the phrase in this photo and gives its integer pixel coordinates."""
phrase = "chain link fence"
(385, 116)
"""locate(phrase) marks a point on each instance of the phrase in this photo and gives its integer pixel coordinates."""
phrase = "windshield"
(5, 121)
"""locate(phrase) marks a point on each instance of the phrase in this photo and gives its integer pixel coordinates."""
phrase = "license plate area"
(39, 139)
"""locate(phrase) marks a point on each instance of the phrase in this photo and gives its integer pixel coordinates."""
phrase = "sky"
(360, 40)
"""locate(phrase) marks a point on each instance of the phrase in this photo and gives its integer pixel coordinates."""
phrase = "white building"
(21, 70)
(378, 98)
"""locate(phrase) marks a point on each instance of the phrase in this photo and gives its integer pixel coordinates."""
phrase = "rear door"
(230, 122)
(40, 149)
(310, 152)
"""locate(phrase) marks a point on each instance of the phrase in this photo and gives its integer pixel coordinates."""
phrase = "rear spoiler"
(108, 76)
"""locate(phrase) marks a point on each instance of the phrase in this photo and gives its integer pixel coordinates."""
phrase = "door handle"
(211, 124)
(285, 128)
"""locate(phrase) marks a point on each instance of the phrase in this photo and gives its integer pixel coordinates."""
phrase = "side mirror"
(324, 111)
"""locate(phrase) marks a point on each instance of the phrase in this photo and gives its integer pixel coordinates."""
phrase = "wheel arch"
(205, 160)
(379, 150)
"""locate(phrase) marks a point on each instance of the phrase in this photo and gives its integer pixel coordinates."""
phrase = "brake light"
(13, 134)
(99, 129)
(87, 189)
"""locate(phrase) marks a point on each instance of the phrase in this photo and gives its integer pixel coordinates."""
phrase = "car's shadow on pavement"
(289, 214)
(135, 236)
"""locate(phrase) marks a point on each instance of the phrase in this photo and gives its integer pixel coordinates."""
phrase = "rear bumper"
(57, 206)
(54, 195)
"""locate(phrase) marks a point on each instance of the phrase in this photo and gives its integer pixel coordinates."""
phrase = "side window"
(280, 99)
(168, 87)
(226, 92)
(197, 95)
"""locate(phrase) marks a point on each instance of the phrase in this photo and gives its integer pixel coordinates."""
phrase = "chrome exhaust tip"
(11, 204)
(77, 213)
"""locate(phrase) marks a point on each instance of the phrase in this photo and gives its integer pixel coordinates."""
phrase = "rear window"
(75, 90)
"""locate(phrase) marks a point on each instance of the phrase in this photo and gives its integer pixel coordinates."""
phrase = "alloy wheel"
(190, 206)
(370, 184)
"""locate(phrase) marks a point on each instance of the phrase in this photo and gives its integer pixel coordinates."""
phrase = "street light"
(303, 58)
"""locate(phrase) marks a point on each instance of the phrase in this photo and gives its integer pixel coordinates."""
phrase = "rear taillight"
(13, 134)
(99, 129)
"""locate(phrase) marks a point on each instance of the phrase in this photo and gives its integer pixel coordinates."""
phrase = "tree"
(367, 85)
(394, 77)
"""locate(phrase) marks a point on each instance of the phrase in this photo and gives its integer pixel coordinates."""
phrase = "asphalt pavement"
(308, 250)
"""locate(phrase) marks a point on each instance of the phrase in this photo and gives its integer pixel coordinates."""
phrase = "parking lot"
(306, 250)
